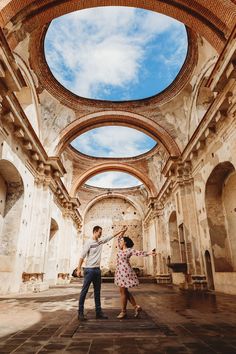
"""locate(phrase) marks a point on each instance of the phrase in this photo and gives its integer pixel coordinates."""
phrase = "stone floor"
(172, 322)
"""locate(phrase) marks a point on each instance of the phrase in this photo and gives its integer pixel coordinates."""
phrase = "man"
(92, 274)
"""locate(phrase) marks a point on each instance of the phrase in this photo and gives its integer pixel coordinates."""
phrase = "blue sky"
(115, 53)
(113, 180)
(113, 141)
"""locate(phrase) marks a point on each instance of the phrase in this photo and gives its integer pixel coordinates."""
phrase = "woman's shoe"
(137, 311)
(121, 315)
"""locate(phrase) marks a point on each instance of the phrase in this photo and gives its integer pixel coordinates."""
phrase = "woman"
(125, 277)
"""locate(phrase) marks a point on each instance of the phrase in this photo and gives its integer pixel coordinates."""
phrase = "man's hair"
(128, 242)
(96, 228)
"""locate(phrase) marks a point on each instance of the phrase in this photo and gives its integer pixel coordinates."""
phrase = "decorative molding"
(225, 67)
(46, 170)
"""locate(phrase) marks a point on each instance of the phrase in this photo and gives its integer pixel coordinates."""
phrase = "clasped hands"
(152, 252)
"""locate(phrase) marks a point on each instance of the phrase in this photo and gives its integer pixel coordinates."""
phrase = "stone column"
(68, 253)
(161, 271)
(185, 217)
(188, 216)
(40, 225)
(145, 246)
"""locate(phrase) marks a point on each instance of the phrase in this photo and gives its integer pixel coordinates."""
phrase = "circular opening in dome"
(113, 179)
(113, 142)
(115, 53)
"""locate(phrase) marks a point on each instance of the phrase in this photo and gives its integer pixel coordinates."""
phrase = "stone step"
(149, 280)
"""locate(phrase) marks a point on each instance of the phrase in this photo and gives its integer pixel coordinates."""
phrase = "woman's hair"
(128, 242)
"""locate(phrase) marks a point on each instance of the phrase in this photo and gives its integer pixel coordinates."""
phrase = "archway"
(132, 120)
(229, 203)
(219, 206)
(114, 167)
(52, 254)
(174, 239)
(11, 204)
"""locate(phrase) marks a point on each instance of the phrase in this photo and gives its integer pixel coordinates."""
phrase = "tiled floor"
(172, 322)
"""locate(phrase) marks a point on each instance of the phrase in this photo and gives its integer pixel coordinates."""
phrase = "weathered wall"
(186, 210)
(111, 214)
(217, 235)
(26, 211)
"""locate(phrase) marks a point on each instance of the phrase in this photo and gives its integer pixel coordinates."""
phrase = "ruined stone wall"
(156, 162)
(220, 149)
(111, 214)
(89, 195)
(61, 254)
(3, 192)
(179, 116)
(25, 225)
(205, 211)
(192, 174)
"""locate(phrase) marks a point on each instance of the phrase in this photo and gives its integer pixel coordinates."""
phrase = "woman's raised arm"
(143, 253)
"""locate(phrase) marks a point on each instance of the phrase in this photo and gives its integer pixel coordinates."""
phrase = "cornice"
(47, 171)
(225, 67)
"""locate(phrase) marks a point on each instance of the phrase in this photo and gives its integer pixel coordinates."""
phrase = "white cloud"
(154, 23)
(101, 47)
(113, 180)
(114, 62)
(113, 141)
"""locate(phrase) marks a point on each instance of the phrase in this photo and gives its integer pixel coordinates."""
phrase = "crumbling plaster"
(175, 116)
(197, 134)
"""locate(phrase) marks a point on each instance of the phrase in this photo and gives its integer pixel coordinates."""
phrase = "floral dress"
(125, 276)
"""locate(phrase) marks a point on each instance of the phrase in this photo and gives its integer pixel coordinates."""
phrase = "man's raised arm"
(120, 233)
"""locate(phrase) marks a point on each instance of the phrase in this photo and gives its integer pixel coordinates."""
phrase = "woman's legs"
(137, 308)
(125, 295)
(130, 298)
(123, 298)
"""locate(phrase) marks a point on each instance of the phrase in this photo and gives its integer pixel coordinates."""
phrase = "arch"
(228, 199)
(212, 19)
(13, 182)
(12, 197)
(113, 195)
(113, 167)
(132, 120)
(217, 216)
(51, 266)
(174, 238)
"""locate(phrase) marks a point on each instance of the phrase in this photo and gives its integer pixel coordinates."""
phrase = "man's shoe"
(82, 317)
(101, 316)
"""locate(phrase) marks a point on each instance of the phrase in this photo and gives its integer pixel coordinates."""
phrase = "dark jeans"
(91, 275)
